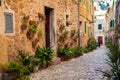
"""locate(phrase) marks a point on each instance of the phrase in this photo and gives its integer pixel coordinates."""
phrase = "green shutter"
(112, 23)
(85, 26)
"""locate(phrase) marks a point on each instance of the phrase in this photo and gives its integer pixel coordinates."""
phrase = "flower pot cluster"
(32, 27)
(67, 53)
(26, 64)
(63, 36)
(73, 32)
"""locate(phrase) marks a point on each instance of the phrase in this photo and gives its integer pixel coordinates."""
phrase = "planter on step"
(9, 76)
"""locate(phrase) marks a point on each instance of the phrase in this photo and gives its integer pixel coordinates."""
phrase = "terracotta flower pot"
(9, 76)
(30, 35)
(23, 27)
(62, 58)
(39, 36)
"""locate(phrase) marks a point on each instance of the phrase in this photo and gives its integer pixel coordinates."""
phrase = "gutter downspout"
(78, 23)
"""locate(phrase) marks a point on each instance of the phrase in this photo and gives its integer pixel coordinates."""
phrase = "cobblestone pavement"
(82, 68)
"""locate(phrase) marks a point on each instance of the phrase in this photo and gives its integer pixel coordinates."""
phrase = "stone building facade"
(86, 18)
(117, 17)
(16, 13)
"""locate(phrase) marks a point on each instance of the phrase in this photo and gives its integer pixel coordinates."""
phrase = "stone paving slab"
(82, 68)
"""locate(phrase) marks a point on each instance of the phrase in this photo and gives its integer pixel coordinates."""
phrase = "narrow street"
(82, 68)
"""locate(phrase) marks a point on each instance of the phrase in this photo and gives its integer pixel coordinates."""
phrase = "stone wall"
(32, 7)
(61, 8)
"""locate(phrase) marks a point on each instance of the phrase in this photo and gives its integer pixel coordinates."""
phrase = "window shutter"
(113, 22)
(85, 26)
(8, 22)
(99, 26)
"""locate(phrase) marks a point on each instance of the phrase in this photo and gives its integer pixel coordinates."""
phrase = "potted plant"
(63, 36)
(30, 33)
(35, 63)
(78, 51)
(24, 22)
(75, 38)
(62, 27)
(34, 43)
(15, 70)
(73, 33)
(61, 53)
(41, 16)
(24, 25)
(45, 54)
(39, 33)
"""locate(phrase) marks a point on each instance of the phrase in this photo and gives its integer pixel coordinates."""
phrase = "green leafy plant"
(24, 23)
(62, 27)
(34, 43)
(66, 53)
(73, 32)
(30, 33)
(29, 61)
(78, 51)
(39, 33)
(33, 24)
(113, 62)
(25, 58)
(45, 54)
(63, 36)
(17, 68)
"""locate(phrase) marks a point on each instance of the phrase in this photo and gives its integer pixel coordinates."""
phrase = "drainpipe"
(78, 23)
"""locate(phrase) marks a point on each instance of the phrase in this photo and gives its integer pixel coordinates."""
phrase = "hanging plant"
(75, 38)
(41, 16)
(63, 36)
(24, 23)
(26, 17)
(73, 33)
(33, 24)
(39, 33)
(62, 27)
(30, 33)
(24, 26)
(34, 43)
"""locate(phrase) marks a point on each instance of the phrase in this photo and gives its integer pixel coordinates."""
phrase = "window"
(8, 22)
(67, 22)
(85, 26)
(99, 26)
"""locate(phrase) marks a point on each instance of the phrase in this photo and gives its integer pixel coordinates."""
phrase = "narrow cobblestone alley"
(82, 68)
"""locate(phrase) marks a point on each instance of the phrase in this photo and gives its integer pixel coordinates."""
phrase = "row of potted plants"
(92, 44)
(26, 63)
(67, 53)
